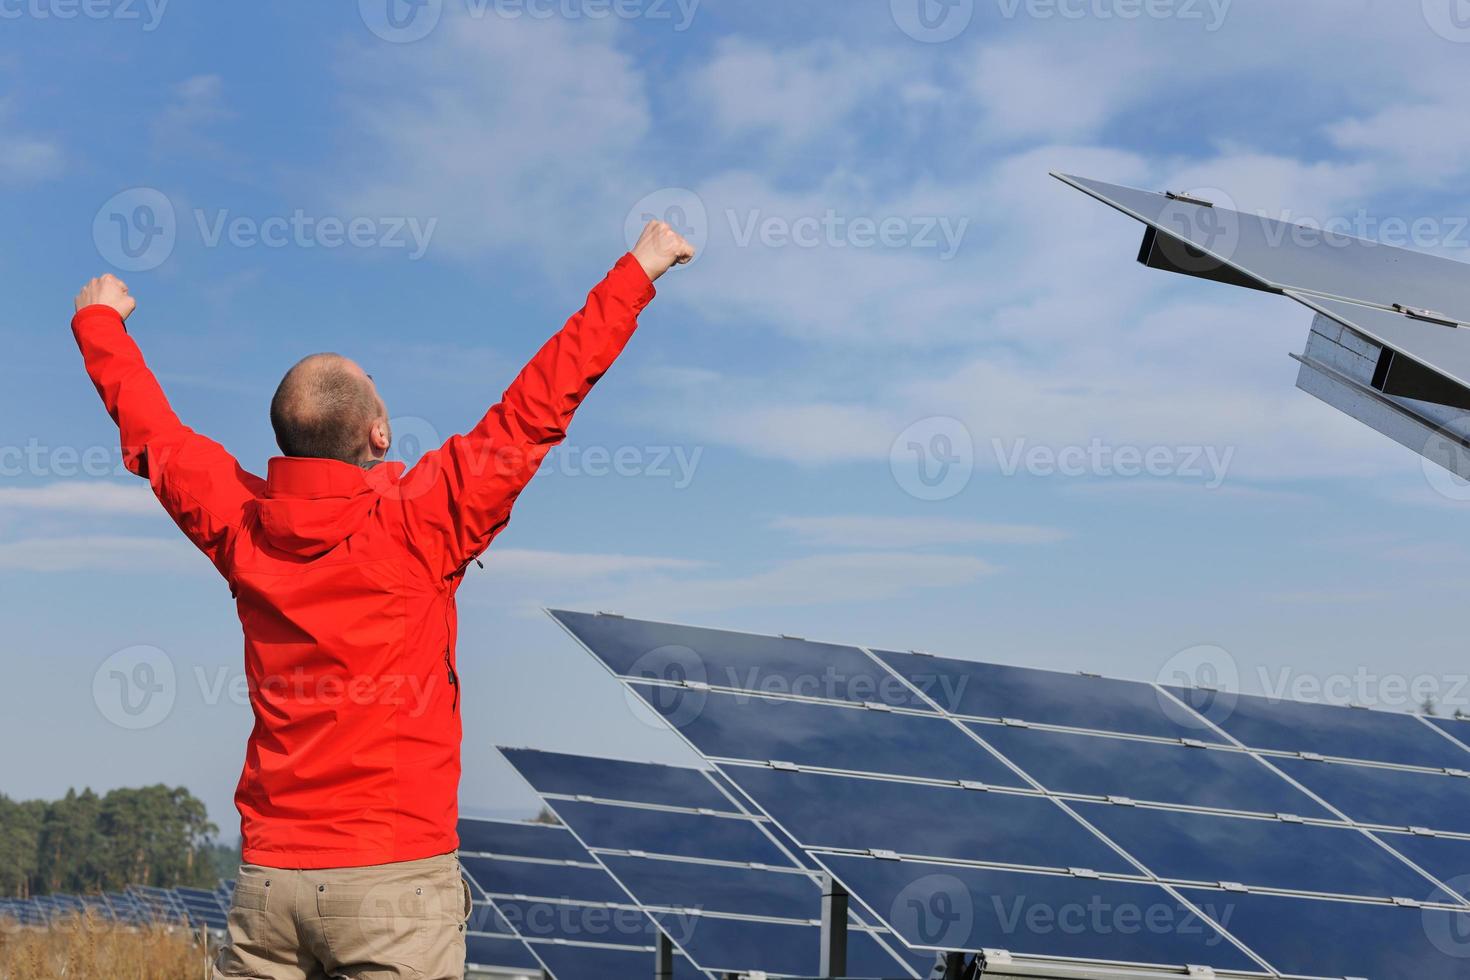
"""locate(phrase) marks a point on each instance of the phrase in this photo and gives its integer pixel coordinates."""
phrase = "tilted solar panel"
(727, 888)
(1294, 726)
(1281, 256)
(1125, 830)
(536, 887)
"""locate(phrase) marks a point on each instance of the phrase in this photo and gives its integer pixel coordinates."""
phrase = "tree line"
(86, 843)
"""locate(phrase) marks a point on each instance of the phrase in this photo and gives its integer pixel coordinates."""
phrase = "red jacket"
(344, 579)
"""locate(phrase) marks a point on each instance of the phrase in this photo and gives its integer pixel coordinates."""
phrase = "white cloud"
(82, 497)
(515, 134)
(523, 563)
(818, 579)
(858, 531)
(793, 94)
(101, 553)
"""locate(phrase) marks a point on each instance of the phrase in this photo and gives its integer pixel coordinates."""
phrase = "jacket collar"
(297, 476)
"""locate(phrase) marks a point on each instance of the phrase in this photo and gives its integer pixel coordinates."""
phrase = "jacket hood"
(312, 505)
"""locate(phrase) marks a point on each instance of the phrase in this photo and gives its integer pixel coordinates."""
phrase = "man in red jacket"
(344, 570)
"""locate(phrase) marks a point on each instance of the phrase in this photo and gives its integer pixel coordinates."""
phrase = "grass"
(88, 949)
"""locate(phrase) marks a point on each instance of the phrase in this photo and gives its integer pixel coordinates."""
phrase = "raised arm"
(201, 485)
(460, 495)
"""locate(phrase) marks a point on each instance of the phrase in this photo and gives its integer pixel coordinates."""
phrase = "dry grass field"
(90, 950)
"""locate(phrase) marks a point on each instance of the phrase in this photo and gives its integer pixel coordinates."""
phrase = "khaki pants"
(386, 922)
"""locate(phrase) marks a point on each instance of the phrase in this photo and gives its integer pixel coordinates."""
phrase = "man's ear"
(380, 437)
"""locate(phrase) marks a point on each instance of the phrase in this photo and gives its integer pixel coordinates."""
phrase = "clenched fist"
(660, 248)
(107, 290)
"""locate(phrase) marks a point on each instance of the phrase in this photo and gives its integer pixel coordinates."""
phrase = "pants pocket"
(382, 925)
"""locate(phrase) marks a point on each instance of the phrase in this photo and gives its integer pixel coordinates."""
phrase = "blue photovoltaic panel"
(1391, 797)
(568, 962)
(558, 774)
(1456, 728)
(863, 740)
(930, 821)
(1326, 938)
(498, 876)
(740, 946)
(519, 839)
(1446, 858)
(605, 925)
(1097, 765)
(484, 918)
(1276, 253)
(1259, 853)
(505, 952)
(718, 888)
(697, 835)
(1349, 733)
(689, 882)
(946, 907)
(1047, 697)
(745, 661)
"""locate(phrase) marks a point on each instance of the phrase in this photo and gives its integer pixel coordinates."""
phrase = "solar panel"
(1046, 697)
(1160, 772)
(535, 884)
(1281, 256)
(715, 877)
(951, 907)
(503, 952)
(1102, 805)
(1387, 797)
(202, 907)
(1323, 938)
(833, 735)
(1447, 859)
(788, 665)
(862, 814)
(1295, 726)
(1260, 852)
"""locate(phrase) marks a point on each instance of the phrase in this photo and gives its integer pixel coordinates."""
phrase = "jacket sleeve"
(198, 482)
(459, 497)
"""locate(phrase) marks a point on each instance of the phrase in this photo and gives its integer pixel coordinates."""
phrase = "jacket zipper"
(453, 681)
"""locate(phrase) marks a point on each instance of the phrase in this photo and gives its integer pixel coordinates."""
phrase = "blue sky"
(885, 264)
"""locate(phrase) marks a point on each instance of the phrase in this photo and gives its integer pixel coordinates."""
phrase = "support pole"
(663, 958)
(834, 928)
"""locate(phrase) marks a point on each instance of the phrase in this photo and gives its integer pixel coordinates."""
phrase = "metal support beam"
(834, 928)
(663, 958)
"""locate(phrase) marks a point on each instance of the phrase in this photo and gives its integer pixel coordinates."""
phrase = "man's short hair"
(323, 409)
